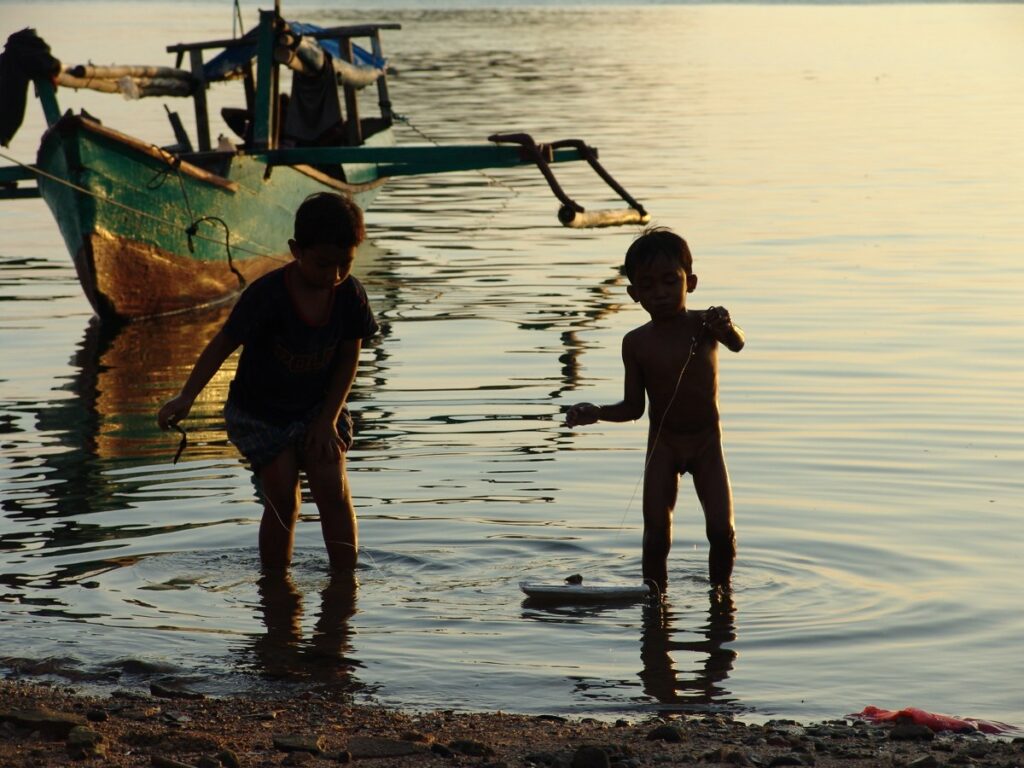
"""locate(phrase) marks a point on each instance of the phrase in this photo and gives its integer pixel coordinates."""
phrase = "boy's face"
(322, 265)
(661, 286)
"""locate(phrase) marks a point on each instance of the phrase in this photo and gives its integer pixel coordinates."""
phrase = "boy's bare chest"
(670, 360)
(676, 361)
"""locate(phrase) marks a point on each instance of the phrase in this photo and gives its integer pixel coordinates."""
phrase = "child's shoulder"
(265, 291)
(270, 282)
(637, 337)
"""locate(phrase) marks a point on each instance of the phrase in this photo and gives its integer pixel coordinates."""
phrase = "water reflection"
(684, 663)
(663, 643)
(103, 416)
(107, 418)
(86, 470)
(326, 656)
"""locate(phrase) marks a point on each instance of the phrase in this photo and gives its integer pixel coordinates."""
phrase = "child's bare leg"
(331, 633)
(328, 482)
(279, 482)
(661, 486)
(711, 482)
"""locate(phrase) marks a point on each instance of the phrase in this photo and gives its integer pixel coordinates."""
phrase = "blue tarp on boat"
(229, 62)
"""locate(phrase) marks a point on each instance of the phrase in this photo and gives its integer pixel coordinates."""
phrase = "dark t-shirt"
(286, 364)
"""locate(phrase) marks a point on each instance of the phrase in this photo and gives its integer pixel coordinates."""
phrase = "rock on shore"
(49, 726)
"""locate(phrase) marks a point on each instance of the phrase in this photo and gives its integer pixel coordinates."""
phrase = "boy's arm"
(722, 328)
(323, 438)
(630, 408)
(209, 362)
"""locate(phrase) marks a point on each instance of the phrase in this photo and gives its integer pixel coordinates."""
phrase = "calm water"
(851, 180)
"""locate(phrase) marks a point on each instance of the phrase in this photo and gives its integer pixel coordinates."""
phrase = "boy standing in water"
(673, 360)
(300, 328)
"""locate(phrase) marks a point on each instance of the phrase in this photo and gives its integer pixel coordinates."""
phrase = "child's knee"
(282, 507)
(657, 542)
(722, 536)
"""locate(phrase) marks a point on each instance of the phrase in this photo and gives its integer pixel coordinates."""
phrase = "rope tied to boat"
(192, 230)
(407, 121)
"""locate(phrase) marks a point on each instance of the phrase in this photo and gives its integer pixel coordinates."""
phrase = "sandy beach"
(43, 725)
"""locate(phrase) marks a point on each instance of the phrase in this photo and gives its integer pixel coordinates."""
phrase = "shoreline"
(49, 725)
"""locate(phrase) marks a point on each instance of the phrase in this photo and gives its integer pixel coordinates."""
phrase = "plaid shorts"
(262, 441)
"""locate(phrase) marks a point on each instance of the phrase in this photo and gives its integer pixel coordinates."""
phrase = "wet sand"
(43, 725)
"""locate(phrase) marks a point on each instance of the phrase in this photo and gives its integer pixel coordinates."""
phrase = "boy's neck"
(303, 286)
(683, 314)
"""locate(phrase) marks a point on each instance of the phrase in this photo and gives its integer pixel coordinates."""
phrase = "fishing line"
(694, 340)
(290, 530)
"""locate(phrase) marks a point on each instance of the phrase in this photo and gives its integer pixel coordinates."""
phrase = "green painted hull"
(126, 210)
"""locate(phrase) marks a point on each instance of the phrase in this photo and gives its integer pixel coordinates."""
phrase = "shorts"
(262, 441)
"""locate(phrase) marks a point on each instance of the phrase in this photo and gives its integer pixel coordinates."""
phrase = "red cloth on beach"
(932, 720)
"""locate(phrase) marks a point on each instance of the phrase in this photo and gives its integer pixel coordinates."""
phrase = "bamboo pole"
(117, 71)
(132, 87)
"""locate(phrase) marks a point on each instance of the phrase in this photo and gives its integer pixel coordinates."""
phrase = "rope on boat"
(110, 201)
(174, 164)
(405, 120)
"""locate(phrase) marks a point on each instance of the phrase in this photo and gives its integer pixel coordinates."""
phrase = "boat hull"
(152, 235)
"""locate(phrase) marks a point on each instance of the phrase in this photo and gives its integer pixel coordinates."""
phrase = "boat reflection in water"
(126, 374)
(107, 420)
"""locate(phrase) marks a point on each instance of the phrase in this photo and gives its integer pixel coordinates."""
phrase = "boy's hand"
(324, 443)
(173, 411)
(582, 414)
(721, 327)
(718, 321)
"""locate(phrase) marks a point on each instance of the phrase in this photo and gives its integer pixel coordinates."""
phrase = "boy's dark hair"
(652, 243)
(328, 218)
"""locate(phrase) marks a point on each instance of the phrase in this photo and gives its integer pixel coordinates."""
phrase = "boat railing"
(354, 30)
(262, 87)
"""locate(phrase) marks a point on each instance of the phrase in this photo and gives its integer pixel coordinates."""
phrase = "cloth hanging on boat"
(26, 56)
(314, 109)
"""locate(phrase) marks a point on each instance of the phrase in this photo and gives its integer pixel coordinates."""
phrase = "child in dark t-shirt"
(300, 328)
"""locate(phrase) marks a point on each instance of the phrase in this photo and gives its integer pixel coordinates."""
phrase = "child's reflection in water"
(701, 685)
(283, 653)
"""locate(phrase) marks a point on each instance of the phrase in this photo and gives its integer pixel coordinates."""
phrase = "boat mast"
(264, 116)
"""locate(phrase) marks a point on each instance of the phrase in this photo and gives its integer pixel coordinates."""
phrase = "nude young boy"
(673, 362)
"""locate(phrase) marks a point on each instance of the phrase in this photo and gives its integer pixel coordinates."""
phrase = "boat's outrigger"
(158, 229)
(572, 214)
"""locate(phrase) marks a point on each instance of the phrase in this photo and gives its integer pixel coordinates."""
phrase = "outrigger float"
(155, 230)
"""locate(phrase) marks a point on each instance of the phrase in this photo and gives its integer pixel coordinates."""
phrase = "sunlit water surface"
(851, 180)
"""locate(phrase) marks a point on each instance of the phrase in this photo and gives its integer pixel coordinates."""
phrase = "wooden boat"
(155, 230)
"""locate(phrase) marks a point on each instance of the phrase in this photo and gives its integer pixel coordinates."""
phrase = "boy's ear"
(294, 248)
(691, 283)
(631, 290)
